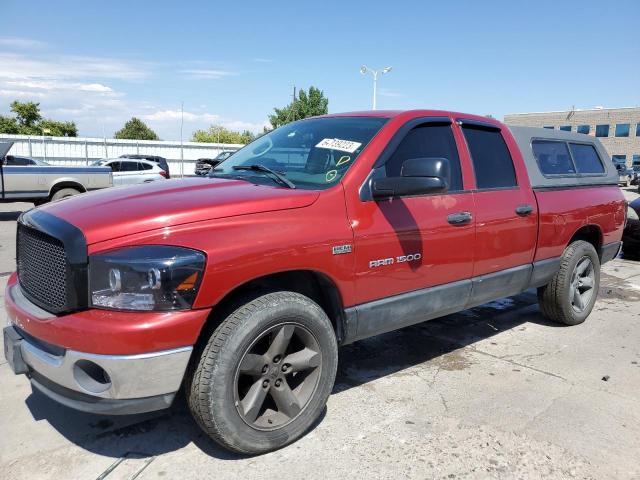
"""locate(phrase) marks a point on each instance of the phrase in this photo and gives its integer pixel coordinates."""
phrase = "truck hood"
(116, 212)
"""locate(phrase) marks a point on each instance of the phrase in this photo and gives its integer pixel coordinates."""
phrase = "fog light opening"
(91, 376)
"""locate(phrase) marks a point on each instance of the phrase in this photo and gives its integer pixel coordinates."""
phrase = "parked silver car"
(128, 171)
(39, 182)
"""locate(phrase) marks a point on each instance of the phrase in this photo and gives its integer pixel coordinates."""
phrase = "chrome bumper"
(127, 376)
(108, 384)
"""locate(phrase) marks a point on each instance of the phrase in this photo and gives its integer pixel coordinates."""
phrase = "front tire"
(266, 373)
(571, 294)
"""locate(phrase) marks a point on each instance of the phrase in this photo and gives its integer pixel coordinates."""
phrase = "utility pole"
(293, 104)
(181, 142)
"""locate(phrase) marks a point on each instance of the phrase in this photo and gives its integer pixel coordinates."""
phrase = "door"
(129, 172)
(414, 255)
(117, 176)
(147, 171)
(506, 216)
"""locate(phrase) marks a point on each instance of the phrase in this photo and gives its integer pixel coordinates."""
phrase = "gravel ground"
(493, 392)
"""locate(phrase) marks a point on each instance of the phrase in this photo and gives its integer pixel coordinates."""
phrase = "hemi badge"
(340, 249)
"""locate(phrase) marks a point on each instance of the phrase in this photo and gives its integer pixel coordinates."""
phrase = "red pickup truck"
(240, 286)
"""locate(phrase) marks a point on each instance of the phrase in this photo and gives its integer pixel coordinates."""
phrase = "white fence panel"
(84, 150)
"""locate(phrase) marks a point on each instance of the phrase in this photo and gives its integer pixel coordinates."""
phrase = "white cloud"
(173, 115)
(95, 87)
(162, 119)
(21, 67)
(55, 85)
(13, 94)
(206, 74)
(18, 42)
(91, 92)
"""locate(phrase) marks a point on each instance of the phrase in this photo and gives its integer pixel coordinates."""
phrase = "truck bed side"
(563, 213)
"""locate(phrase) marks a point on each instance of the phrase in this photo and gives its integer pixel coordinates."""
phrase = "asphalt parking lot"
(494, 392)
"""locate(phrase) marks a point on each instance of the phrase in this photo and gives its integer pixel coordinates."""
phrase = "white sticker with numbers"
(337, 144)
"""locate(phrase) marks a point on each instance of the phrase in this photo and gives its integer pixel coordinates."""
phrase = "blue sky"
(99, 63)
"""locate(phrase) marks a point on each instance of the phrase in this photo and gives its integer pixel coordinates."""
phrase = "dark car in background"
(161, 161)
(13, 161)
(204, 165)
(631, 233)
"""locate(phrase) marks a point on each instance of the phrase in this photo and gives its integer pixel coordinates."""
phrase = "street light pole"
(364, 70)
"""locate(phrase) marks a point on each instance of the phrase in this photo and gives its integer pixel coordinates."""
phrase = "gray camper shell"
(542, 173)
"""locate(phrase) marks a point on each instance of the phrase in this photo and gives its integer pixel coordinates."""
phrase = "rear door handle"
(459, 218)
(524, 210)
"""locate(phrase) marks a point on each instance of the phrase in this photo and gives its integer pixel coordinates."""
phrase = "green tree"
(58, 129)
(9, 125)
(29, 121)
(304, 105)
(220, 134)
(136, 129)
(27, 113)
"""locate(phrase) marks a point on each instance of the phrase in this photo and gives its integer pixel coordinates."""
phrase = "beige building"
(617, 128)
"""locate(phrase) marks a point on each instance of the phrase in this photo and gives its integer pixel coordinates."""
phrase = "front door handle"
(460, 218)
(524, 210)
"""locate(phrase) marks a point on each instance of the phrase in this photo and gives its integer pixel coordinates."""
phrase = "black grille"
(42, 269)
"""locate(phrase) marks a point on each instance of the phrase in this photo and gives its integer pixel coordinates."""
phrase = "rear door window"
(144, 166)
(586, 158)
(491, 159)
(553, 157)
(129, 167)
(428, 140)
(115, 166)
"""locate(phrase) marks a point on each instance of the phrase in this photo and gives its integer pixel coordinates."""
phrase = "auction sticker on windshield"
(338, 144)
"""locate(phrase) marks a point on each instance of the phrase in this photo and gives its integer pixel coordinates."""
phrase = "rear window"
(553, 157)
(586, 158)
(491, 159)
(562, 158)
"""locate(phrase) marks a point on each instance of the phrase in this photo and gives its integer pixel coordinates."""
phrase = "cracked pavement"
(493, 392)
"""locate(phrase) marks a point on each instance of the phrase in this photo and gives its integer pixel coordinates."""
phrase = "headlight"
(150, 277)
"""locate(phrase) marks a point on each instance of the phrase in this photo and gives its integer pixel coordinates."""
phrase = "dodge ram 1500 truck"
(239, 287)
(44, 183)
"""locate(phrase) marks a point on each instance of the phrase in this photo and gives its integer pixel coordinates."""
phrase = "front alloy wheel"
(277, 376)
(265, 373)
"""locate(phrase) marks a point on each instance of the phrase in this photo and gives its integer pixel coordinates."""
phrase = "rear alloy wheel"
(582, 283)
(571, 294)
(265, 374)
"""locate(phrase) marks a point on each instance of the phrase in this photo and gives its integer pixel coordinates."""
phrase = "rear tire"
(571, 294)
(64, 193)
(265, 374)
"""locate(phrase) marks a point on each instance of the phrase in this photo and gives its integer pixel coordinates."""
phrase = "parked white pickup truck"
(44, 183)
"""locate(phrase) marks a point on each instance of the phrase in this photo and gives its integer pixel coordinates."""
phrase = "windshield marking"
(339, 144)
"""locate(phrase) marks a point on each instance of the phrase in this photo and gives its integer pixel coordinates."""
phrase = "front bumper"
(106, 382)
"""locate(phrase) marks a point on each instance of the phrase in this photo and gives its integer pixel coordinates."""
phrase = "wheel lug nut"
(265, 383)
(278, 382)
(285, 367)
(265, 369)
(276, 359)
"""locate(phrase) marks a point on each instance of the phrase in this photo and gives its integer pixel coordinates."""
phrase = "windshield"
(313, 154)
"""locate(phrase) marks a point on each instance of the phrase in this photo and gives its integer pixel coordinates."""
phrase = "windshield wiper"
(256, 167)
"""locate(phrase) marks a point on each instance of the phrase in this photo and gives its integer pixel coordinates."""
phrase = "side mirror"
(418, 176)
